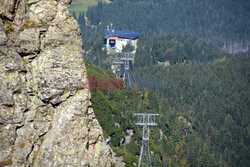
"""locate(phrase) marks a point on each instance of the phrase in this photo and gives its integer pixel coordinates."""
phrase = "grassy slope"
(82, 5)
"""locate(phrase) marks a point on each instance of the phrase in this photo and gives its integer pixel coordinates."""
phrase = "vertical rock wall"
(46, 117)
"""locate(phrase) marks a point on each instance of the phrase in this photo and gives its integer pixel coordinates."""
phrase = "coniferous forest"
(219, 21)
(203, 103)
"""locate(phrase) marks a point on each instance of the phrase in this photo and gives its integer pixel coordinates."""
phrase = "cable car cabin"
(117, 40)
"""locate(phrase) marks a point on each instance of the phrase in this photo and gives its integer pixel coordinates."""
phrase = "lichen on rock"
(46, 118)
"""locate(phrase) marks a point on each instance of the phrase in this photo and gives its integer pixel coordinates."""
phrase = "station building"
(117, 40)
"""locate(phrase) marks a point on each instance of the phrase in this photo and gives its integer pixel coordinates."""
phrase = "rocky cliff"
(46, 117)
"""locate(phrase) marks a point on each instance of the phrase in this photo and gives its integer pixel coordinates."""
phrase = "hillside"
(78, 6)
(114, 111)
(162, 47)
(203, 101)
(60, 104)
(198, 110)
(224, 22)
(214, 98)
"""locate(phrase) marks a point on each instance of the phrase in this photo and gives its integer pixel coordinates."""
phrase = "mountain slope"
(204, 119)
(78, 6)
(221, 21)
(214, 98)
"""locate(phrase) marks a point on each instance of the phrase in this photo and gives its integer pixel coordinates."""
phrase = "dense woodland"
(203, 107)
(219, 21)
(214, 98)
(204, 101)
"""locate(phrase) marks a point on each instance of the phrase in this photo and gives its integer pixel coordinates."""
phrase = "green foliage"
(129, 159)
(154, 147)
(112, 165)
(198, 110)
(113, 107)
(8, 28)
(96, 52)
(205, 104)
(128, 48)
(213, 20)
(175, 49)
(162, 47)
(118, 151)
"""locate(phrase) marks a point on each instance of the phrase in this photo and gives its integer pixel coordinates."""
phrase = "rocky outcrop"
(46, 117)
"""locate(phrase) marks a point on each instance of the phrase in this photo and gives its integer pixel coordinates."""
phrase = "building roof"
(121, 34)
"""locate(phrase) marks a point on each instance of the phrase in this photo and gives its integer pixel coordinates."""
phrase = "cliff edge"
(46, 118)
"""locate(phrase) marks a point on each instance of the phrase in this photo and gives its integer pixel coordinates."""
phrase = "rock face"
(46, 117)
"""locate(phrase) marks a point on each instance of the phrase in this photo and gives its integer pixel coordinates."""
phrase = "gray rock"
(7, 8)
(3, 37)
(29, 40)
(46, 118)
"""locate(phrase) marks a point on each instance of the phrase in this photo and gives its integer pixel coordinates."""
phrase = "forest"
(203, 105)
(214, 98)
(204, 120)
(214, 20)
